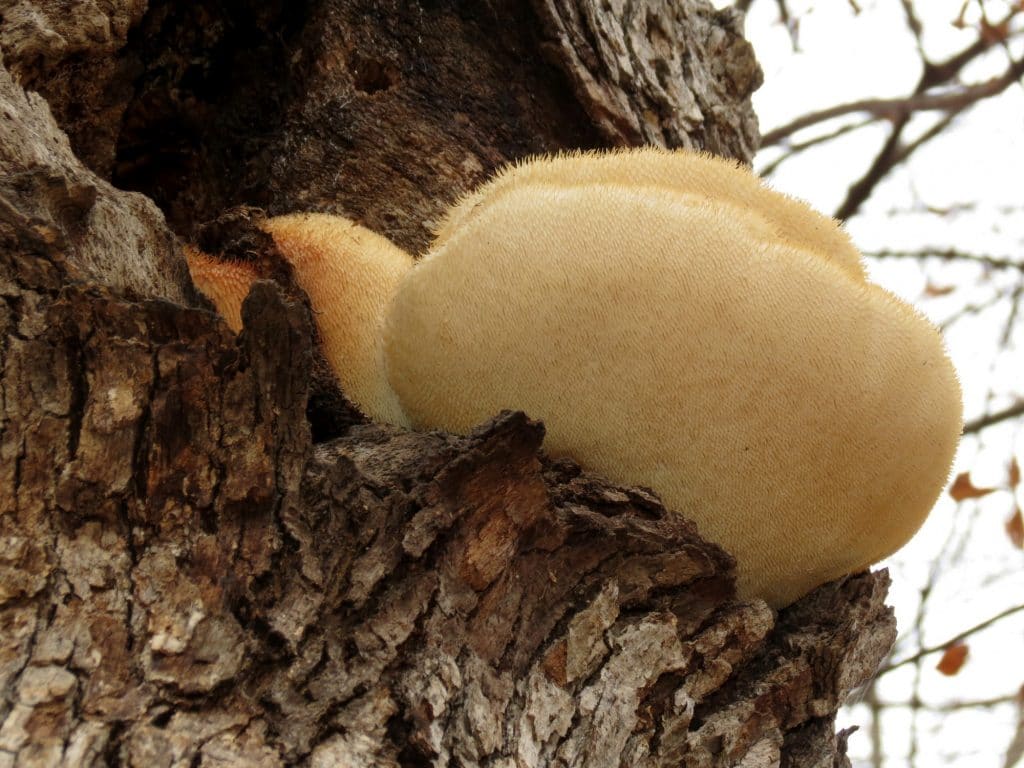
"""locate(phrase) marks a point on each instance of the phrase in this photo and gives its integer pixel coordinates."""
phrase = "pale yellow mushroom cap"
(789, 220)
(805, 420)
(675, 324)
(349, 274)
(225, 283)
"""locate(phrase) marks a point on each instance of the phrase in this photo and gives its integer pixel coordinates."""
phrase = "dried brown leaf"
(952, 659)
(1015, 529)
(963, 488)
(938, 290)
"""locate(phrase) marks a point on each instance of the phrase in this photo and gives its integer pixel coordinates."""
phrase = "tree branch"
(988, 420)
(891, 109)
(955, 639)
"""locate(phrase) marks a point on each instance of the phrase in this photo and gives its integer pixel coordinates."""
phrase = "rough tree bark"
(206, 557)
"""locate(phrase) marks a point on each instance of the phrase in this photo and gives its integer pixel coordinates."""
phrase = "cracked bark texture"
(205, 559)
(658, 71)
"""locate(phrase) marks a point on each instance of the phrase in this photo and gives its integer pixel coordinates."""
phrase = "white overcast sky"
(844, 56)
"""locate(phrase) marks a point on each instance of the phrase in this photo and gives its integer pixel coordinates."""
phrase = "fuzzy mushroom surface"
(676, 325)
(224, 282)
(349, 273)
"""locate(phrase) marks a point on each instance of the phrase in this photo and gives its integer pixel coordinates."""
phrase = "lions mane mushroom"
(675, 324)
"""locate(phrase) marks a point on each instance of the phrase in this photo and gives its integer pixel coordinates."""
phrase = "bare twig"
(955, 706)
(792, 25)
(898, 111)
(973, 309)
(891, 109)
(875, 730)
(952, 706)
(913, 23)
(958, 638)
(949, 254)
(1011, 319)
(861, 189)
(795, 148)
(994, 418)
(941, 125)
(934, 75)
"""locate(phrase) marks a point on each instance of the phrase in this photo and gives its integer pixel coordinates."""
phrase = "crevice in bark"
(214, 86)
(243, 103)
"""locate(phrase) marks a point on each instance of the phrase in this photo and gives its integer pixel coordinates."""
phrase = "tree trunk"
(208, 558)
